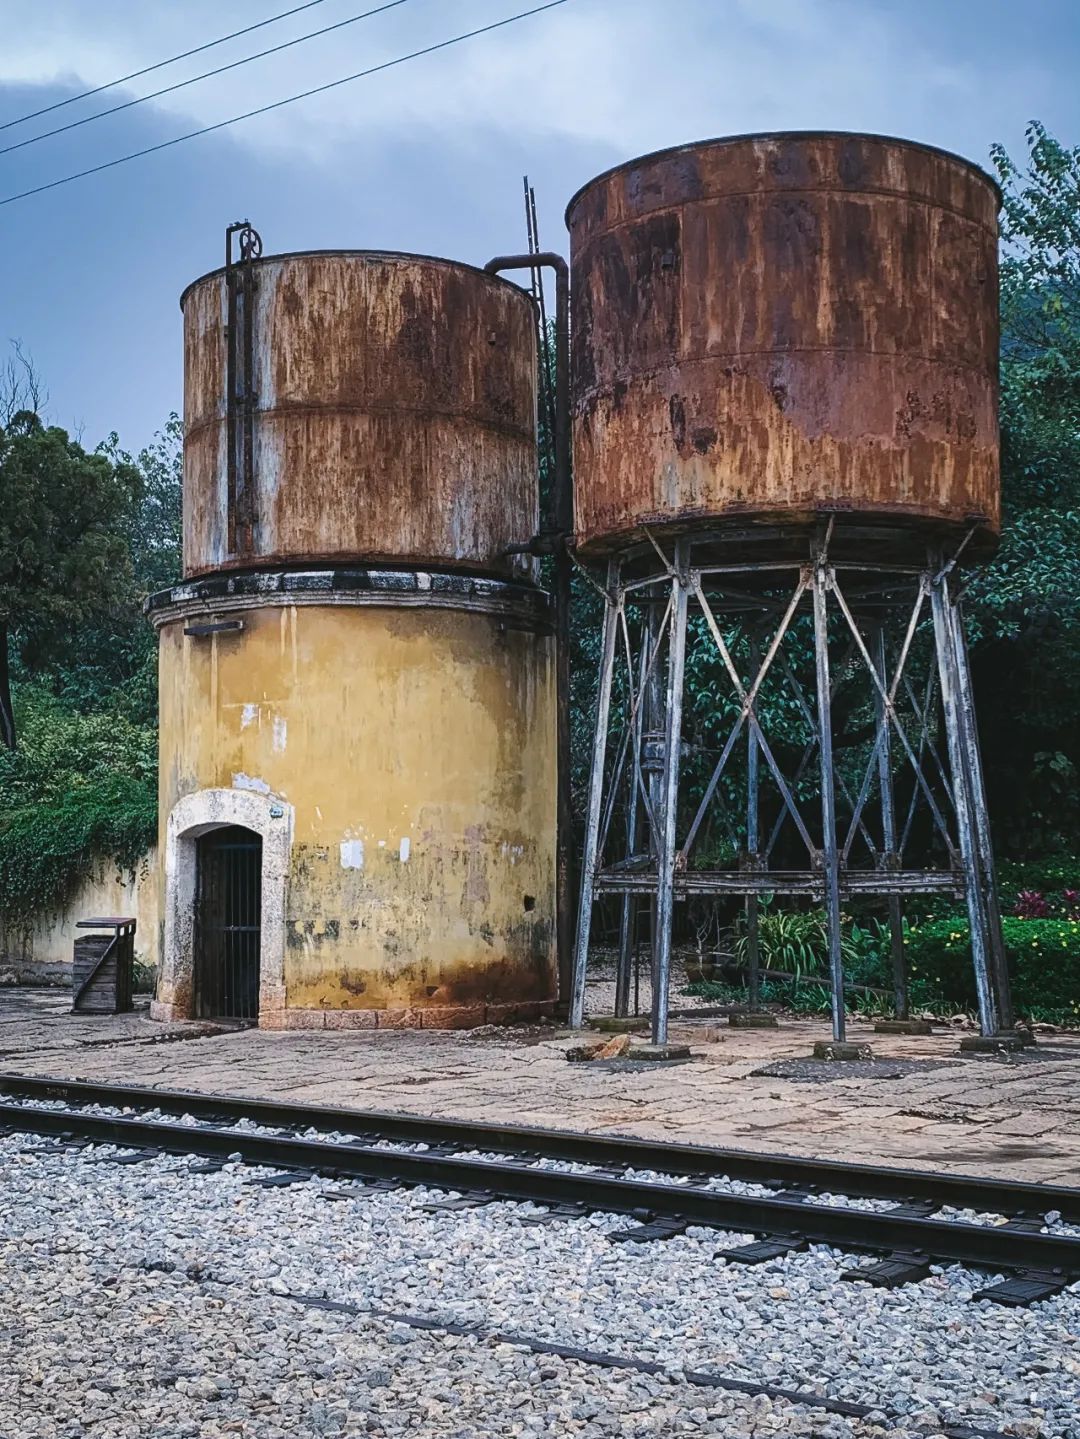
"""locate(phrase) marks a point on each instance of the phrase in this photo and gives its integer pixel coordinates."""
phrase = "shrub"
(1043, 957)
(1050, 875)
(794, 941)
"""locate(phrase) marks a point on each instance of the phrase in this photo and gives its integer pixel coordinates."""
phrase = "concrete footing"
(612, 1024)
(832, 1049)
(658, 1052)
(903, 1026)
(1008, 1040)
(753, 1019)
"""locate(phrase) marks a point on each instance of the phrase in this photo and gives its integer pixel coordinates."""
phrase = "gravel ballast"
(152, 1299)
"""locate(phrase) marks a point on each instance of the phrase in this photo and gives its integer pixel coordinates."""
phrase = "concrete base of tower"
(451, 1016)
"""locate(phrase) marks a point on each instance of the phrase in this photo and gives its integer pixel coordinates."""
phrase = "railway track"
(786, 1202)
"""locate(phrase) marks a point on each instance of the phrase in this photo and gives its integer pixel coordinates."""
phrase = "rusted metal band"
(527, 607)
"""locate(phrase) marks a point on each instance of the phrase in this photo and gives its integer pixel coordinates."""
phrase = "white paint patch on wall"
(404, 849)
(281, 732)
(352, 854)
(247, 781)
(248, 715)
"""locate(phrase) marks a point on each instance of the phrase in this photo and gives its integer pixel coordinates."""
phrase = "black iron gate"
(228, 924)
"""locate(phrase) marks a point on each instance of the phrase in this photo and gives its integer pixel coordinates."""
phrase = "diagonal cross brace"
(748, 712)
(890, 711)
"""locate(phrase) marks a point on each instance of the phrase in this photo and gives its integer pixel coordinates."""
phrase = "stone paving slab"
(1016, 1116)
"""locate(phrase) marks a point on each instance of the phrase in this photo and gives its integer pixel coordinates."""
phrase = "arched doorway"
(228, 924)
(193, 818)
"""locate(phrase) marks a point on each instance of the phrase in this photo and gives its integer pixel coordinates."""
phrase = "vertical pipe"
(829, 846)
(980, 814)
(888, 829)
(558, 522)
(965, 825)
(628, 918)
(231, 389)
(246, 496)
(665, 888)
(596, 795)
(753, 841)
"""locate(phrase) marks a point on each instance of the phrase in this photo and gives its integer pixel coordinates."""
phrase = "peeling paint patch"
(352, 854)
(247, 781)
(404, 849)
(281, 731)
(248, 715)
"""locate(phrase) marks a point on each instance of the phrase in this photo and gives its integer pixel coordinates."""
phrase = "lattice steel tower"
(786, 461)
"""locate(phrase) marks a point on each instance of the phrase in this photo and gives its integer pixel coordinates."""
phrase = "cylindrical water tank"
(772, 327)
(357, 787)
(393, 415)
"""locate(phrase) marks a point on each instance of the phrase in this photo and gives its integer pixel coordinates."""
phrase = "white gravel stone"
(147, 1299)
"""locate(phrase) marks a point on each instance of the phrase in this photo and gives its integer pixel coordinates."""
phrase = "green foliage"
(801, 997)
(1049, 875)
(47, 851)
(80, 790)
(793, 941)
(1024, 608)
(1043, 957)
(112, 659)
(62, 554)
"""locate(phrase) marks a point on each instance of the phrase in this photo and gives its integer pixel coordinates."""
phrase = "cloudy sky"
(428, 155)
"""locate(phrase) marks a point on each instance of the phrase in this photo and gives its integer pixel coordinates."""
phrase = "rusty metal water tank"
(390, 412)
(771, 327)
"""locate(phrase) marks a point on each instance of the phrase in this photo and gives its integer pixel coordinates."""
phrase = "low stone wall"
(42, 953)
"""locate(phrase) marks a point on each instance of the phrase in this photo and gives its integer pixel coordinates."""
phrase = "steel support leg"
(888, 830)
(665, 892)
(829, 844)
(980, 814)
(596, 795)
(753, 842)
(989, 1020)
(628, 917)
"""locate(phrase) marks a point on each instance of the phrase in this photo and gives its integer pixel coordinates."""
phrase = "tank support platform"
(823, 690)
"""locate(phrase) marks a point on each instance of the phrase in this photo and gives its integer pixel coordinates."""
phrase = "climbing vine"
(48, 850)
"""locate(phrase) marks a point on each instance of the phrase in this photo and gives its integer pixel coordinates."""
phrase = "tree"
(1025, 606)
(112, 661)
(63, 556)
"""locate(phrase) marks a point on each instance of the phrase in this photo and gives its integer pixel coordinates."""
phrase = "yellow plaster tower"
(358, 764)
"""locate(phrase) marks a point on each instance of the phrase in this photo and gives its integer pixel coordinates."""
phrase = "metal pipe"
(596, 795)
(559, 524)
(829, 851)
(888, 831)
(665, 890)
(946, 657)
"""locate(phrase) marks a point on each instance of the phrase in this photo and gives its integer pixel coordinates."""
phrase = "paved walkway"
(918, 1104)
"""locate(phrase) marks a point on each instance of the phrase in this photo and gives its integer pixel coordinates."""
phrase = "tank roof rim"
(782, 135)
(346, 253)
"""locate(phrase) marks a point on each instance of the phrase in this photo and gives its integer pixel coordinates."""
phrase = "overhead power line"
(160, 64)
(206, 75)
(289, 100)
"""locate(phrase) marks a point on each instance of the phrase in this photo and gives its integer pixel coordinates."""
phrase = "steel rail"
(998, 1248)
(864, 1181)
